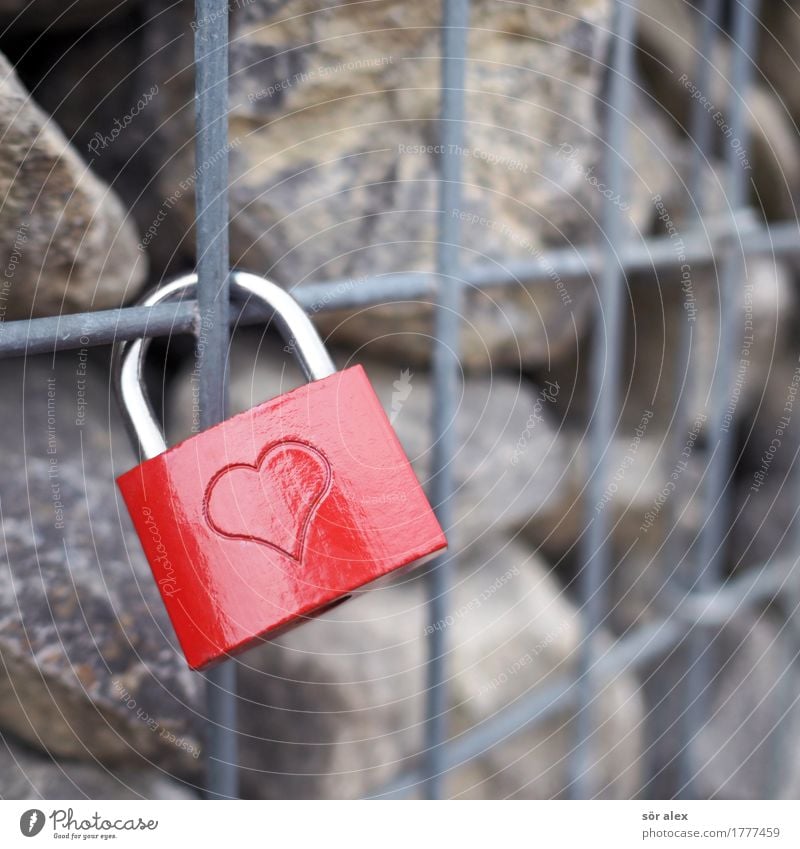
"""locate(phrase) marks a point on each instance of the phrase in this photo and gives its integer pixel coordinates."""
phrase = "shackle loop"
(128, 358)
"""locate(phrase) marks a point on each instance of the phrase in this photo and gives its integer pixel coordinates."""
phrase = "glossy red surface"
(274, 515)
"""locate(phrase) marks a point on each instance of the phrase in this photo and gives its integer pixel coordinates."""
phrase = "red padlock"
(274, 515)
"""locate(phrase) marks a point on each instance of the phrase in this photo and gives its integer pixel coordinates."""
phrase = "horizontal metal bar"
(55, 333)
(641, 647)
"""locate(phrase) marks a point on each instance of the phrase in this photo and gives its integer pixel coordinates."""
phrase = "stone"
(28, 774)
(359, 198)
(333, 709)
(764, 513)
(90, 665)
(509, 461)
(356, 676)
(514, 631)
(667, 34)
(752, 714)
(117, 92)
(49, 15)
(67, 240)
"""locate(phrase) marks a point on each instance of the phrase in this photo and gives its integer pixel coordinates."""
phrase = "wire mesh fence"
(706, 597)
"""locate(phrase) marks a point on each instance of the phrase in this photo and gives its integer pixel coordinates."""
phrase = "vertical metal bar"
(701, 124)
(446, 369)
(605, 377)
(701, 135)
(720, 433)
(211, 155)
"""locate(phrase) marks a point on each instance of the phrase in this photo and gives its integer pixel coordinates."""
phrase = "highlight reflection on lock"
(277, 513)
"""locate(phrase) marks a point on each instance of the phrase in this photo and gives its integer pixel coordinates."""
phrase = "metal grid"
(611, 265)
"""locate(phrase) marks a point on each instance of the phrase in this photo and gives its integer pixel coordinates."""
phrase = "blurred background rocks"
(333, 114)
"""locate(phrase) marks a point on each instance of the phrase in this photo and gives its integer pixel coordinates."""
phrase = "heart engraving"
(274, 500)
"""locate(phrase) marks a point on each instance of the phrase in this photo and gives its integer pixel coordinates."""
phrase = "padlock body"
(263, 521)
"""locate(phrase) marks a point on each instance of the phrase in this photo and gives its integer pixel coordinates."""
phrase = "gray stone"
(667, 34)
(48, 15)
(90, 666)
(27, 774)
(751, 718)
(764, 525)
(334, 708)
(652, 507)
(67, 240)
(359, 196)
(513, 631)
(117, 92)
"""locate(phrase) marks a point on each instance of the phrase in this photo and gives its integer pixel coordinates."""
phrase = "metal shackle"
(293, 324)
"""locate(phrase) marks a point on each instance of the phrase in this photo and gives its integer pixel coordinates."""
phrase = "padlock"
(269, 518)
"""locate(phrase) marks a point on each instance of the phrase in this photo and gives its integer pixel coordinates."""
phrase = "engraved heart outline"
(256, 467)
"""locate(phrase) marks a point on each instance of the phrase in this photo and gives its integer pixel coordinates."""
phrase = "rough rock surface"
(27, 774)
(359, 196)
(68, 244)
(90, 668)
(334, 709)
(515, 632)
(752, 715)
(668, 34)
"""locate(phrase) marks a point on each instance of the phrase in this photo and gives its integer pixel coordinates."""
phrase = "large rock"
(653, 507)
(27, 774)
(90, 667)
(764, 525)
(68, 242)
(49, 15)
(513, 631)
(509, 461)
(359, 196)
(334, 709)
(116, 92)
(667, 34)
(751, 717)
